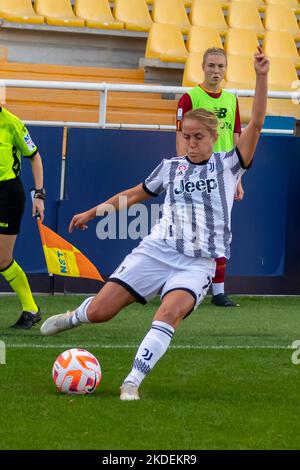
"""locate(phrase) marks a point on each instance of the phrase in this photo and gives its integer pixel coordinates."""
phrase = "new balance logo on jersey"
(221, 113)
(207, 186)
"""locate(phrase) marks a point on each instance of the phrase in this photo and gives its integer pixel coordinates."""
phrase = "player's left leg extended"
(174, 307)
(101, 308)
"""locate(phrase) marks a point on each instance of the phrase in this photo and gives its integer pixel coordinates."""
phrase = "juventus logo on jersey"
(211, 166)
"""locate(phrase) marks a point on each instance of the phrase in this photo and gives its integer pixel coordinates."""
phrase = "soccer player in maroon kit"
(209, 95)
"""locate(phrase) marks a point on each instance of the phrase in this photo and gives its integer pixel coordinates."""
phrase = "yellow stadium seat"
(224, 4)
(165, 42)
(20, 11)
(187, 3)
(134, 14)
(281, 44)
(245, 16)
(171, 12)
(97, 14)
(259, 4)
(240, 72)
(193, 72)
(281, 18)
(241, 42)
(280, 107)
(58, 13)
(286, 81)
(245, 107)
(288, 3)
(283, 77)
(293, 4)
(201, 38)
(204, 13)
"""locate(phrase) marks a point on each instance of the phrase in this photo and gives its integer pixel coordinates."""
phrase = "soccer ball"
(76, 371)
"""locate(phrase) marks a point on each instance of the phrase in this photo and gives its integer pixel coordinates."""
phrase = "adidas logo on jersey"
(207, 186)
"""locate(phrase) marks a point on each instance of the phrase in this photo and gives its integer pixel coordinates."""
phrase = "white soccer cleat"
(129, 391)
(57, 323)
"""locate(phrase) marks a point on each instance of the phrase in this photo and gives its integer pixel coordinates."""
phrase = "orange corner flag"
(64, 259)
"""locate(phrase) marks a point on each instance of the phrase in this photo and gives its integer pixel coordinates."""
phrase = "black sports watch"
(40, 194)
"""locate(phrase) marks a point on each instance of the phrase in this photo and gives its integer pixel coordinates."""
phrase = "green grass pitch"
(227, 381)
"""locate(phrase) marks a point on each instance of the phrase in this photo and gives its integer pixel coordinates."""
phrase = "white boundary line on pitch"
(134, 346)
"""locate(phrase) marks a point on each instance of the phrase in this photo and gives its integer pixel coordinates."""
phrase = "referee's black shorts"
(12, 203)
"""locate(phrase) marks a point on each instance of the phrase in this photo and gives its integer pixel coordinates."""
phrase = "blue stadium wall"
(266, 224)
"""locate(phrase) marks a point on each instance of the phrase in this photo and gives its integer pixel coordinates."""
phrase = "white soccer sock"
(218, 288)
(80, 315)
(152, 348)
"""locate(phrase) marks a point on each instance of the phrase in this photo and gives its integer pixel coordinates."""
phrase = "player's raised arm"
(126, 198)
(249, 137)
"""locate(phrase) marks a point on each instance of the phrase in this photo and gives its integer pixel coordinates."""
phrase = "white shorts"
(156, 268)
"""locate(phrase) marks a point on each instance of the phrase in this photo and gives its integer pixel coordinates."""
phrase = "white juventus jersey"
(196, 218)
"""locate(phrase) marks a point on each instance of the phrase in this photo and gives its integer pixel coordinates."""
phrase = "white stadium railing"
(105, 88)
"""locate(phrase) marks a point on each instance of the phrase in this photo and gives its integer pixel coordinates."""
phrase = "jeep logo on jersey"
(207, 186)
(221, 113)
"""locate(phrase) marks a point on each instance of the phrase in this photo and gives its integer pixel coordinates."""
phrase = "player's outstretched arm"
(250, 135)
(117, 202)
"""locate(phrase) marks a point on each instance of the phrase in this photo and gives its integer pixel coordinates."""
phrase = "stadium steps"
(79, 98)
(65, 105)
(25, 71)
(3, 55)
(68, 105)
(26, 112)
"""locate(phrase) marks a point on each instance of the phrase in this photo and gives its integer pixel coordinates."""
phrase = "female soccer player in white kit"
(177, 260)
